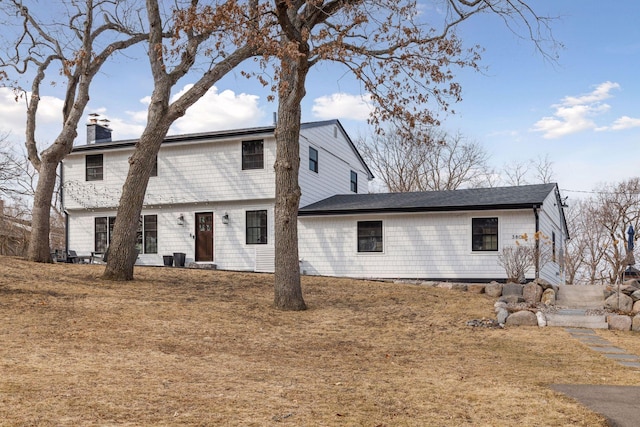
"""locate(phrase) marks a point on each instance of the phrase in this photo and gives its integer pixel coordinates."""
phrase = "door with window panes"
(204, 236)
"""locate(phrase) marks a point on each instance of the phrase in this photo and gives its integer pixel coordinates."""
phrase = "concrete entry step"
(575, 296)
(576, 319)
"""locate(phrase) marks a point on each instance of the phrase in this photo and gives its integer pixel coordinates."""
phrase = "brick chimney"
(98, 130)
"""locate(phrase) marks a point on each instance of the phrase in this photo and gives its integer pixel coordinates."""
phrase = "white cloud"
(219, 111)
(13, 115)
(625, 122)
(342, 106)
(575, 114)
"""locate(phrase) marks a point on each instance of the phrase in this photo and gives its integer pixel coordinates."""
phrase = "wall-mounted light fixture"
(181, 219)
(225, 218)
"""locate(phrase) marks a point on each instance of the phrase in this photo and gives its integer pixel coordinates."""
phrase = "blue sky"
(582, 111)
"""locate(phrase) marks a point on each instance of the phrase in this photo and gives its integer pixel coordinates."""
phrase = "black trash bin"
(168, 260)
(178, 259)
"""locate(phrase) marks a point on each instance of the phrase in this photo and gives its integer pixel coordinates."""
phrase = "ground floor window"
(103, 231)
(257, 227)
(369, 236)
(146, 237)
(484, 234)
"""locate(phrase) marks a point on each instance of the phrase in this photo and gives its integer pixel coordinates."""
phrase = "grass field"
(197, 347)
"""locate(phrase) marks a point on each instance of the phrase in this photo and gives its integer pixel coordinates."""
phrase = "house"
(438, 235)
(211, 199)
(211, 195)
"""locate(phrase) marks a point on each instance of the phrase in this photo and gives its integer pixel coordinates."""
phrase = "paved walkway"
(620, 405)
(608, 350)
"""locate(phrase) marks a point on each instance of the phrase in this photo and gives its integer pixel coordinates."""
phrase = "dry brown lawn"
(196, 347)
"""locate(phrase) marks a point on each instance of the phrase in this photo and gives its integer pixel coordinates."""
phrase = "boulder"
(542, 320)
(498, 305)
(512, 299)
(512, 289)
(453, 286)
(619, 322)
(635, 296)
(532, 293)
(493, 289)
(632, 282)
(628, 290)
(502, 315)
(636, 307)
(623, 302)
(635, 323)
(522, 318)
(542, 283)
(548, 297)
(475, 288)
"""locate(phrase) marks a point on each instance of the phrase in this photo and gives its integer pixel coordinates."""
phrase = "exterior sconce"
(181, 220)
(225, 218)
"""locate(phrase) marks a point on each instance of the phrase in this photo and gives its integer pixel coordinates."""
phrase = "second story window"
(313, 159)
(252, 155)
(154, 171)
(94, 168)
(354, 182)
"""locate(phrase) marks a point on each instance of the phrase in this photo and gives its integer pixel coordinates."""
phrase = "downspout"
(537, 241)
(64, 211)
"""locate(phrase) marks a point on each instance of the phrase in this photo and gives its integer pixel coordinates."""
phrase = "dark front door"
(204, 236)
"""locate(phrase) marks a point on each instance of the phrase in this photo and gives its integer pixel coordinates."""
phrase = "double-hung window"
(94, 167)
(313, 159)
(484, 234)
(354, 182)
(252, 155)
(256, 227)
(103, 231)
(147, 235)
(369, 236)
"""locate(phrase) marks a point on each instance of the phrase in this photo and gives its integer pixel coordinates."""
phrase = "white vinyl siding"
(420, 245)
(334, 174)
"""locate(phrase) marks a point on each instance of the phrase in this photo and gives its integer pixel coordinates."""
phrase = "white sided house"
(211, 195)
(440, 235)
(211, 200)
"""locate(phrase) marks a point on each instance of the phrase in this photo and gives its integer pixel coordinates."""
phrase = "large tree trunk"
(39, 250)
(288, 291)
(122, 252)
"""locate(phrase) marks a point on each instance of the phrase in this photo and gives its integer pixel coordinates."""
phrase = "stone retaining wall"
(528, 304)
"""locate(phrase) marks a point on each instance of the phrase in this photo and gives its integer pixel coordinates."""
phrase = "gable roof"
(520, 197)
(224, 134)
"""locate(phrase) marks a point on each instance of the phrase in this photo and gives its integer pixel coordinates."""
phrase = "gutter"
(537, 241)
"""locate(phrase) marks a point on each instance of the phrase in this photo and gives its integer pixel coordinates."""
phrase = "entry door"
(204, 236)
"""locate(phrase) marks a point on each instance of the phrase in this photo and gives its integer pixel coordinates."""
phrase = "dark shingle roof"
(525, 196)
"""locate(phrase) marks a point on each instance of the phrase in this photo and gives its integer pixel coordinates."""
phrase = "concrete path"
(620, 405)
(589, 338)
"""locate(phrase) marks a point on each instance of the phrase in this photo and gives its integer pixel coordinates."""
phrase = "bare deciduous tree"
(405, 63)
(433, 163)
(618, 206)
(73, 42)
(234, 31)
